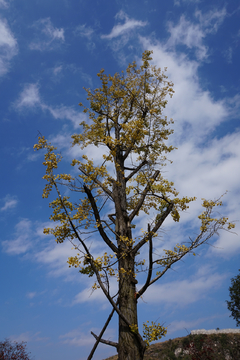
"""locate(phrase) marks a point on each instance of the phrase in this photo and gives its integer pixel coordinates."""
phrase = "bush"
(13, 351)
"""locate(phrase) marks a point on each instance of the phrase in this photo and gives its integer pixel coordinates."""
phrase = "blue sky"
(49, 51)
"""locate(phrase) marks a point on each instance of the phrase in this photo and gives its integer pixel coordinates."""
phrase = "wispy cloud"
(3, 4)
(8, 46)
(87, 33)
(65, 112)
(28, 240)
(31, 295)
(203, 163)
(48, 36)
(84, 31)
(79, 337)
(21, 241)
(10, 202)
(192, 34)
(30, 98)
(184, 292)
(179, 2)
(57, 70)
(28, 337)
(123, 28)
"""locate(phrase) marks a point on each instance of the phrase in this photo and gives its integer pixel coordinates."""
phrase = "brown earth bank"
(195, 347)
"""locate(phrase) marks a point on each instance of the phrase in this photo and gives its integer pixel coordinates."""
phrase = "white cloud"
(27, 337)
(29, 97)
(184, 292)
(78, 338)
(8, 46)
(3, 4)
(55, 256)
(126, 27)
(28, 239)
(48, 36)
(10, 202)
(89, 295)
(192, 34)
(178, 2)
(57, 70)
(65, 112)
(31, 295)
(190, 325)
(84, 31)
(192, 108)
(211, 20)
(203, 166)
(22, 241)
(228, 53)
(188, 34)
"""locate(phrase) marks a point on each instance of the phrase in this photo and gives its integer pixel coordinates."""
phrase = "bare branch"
(195, 244)
(156, 227)
(142, 198)
(101, 333)
(98, 220)
(112, 218)
(150, 265)
(91, 261)
(108, 342)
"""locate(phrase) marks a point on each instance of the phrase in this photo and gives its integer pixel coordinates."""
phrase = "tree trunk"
(129, 345)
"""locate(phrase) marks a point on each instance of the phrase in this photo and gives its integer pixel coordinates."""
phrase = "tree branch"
(146, 285)
(101, 333)
(108, 342)
(91, 261)
(112, 218)
(98, 220)
(107, 191)
(142, 198)
(195, 244)
(156, 227)
(135, 170)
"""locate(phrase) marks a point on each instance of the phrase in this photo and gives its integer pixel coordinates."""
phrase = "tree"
(234, 303)
(13, 351)
(126, 123)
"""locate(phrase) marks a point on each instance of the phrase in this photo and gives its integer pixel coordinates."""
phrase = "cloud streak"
(48, 37)
(126, 27)
(10, 202)
(8, 46)
(192, 34)
(30, 98)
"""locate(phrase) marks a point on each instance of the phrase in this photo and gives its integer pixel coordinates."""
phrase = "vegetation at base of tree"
(234, 303)
(105, 197)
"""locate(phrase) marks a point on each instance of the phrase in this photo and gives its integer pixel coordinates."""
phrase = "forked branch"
(142, 198)
(98, 220)
(108, 342)
(156, 227)
(99, 337)
(106, 190)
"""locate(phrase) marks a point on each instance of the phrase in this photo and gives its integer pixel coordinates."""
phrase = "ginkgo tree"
(127, 126)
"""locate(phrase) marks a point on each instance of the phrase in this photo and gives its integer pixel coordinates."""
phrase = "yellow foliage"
(134, 328)
(153, 332)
